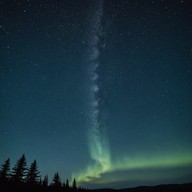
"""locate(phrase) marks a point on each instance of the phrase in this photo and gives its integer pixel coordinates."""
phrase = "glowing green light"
(93, 172)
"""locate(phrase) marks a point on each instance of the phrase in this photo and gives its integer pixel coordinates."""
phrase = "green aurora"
(97, 171)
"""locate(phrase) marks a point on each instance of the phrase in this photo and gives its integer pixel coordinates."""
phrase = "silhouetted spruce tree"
(4, 172)
(19, 170)
(67, 184)
(40, 181)
(63, 184)
(32, 174)
(74, 184)
(45, 181)
(56, 180)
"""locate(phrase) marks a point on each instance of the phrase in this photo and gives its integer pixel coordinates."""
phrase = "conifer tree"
(40, 181)
(33, 173)
(74, 184)
(67, 183)
(63, 184)
(57, 180)
(4, 172)
(19, 170)
(45, 181)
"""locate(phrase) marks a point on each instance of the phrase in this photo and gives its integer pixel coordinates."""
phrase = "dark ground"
(187, 187)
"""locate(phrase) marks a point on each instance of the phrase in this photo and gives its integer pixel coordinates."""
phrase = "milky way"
(97, 139)
(98, 144)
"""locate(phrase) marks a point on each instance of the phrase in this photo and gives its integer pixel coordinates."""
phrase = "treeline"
(21, 178)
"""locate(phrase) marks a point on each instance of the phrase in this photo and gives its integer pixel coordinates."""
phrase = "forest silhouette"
(27, 179)
(22, 178)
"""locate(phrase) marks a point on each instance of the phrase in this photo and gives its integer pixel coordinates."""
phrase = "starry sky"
(98, 90)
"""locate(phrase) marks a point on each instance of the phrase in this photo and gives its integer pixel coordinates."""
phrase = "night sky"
(98, 90)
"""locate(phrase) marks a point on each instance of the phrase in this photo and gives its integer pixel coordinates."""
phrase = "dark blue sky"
(98, 90)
